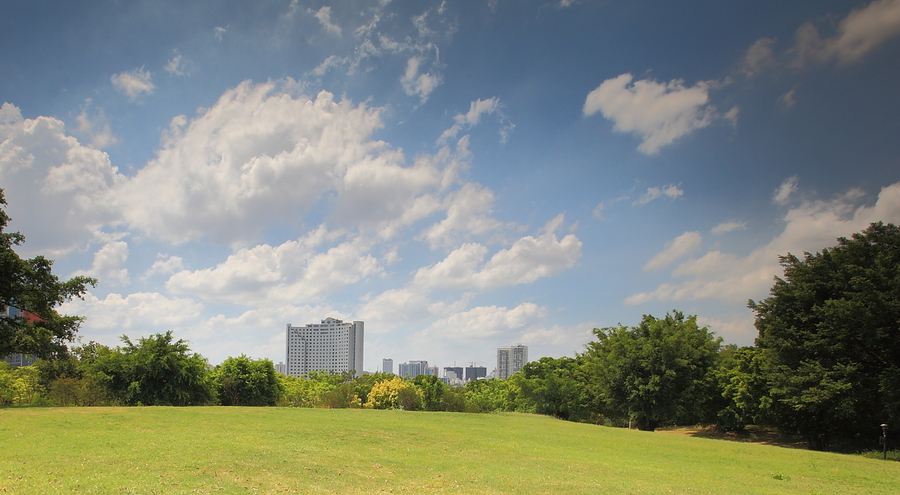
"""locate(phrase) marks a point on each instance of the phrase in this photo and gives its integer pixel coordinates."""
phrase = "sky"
(460, 175)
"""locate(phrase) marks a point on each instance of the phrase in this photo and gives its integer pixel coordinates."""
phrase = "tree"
(155, 371)
(831, 329)
(657, 372)
(556, 387)
(245, 382)
(30, 286)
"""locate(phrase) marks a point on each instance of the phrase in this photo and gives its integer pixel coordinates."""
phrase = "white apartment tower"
(511, 359)
(332, 346)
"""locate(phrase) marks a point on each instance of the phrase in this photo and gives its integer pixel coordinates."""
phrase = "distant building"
(16, 360)
(475, 373)
(387, 365)
(456, 371)
(281, 368)
(412, 369)
(431, 370)
(511, 359)
(331, 346)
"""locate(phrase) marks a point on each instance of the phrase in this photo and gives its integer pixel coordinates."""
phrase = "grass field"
(282, 450)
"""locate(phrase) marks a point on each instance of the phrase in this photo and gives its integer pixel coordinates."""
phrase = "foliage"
(18, 386)
(30, 285)
(245, 382)
(657, 372)
(394, 394)
(557, 387)
(830, 331)
(740, 380)
(155, 371)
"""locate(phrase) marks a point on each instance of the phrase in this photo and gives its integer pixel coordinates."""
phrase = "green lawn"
(281, 450)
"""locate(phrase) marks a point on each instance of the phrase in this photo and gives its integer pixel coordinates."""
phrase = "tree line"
(825, 365)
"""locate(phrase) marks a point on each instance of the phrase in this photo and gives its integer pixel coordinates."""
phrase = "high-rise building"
(475, 372)
(332, 346)
(511, 359)
(412, 369)
(387, 365)
(431, 370)
(456, 370)
(281, 368)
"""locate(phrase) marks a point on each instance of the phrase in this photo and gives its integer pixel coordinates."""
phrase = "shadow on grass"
(751, 434)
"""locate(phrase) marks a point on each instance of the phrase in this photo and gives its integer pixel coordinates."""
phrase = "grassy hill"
(281, 450)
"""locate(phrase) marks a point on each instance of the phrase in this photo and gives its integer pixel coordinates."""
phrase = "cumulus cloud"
(95, 128)
(670, 191)
(527, 260)
(261, 153)
(177, 66)
(108, 264)
(140, 310)
(677, 248)
(468, 211)
(295, 271)
(658, 112)
(59, 191)
(164, 265)
(808, 227)
(133, 83)
(484, 322)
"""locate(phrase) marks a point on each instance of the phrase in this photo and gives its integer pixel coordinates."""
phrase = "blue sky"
(460, 175)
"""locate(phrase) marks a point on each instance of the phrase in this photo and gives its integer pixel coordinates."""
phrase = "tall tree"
(657, 372)
(831, 327)
(30, 287)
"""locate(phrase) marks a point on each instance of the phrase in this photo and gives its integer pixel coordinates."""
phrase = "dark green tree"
(246, 382)
(155, 371)
(30, 285)
(556, 387)
(432, 390)
(831, 328)
(657, 372)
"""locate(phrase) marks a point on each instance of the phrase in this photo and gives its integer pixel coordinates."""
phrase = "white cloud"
(809, 227)
(678, 247)
(728, 226)
(140, 310)
(670, 191)
(324, 17)
(483, 322)
(133, 83)
(859, 33)
(260, 154)
(416, 84)
(108, 264)
(219, 32)
(471, 118)
(164, 265)
(468, 211)
(57, 189)
(758, 57)
(785, 190)
(527, 260)
(177, 66)
(95, 128)
(659, 112)
(269, 275)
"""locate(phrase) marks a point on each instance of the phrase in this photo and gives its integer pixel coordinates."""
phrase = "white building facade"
(332, 346)
(511, 359)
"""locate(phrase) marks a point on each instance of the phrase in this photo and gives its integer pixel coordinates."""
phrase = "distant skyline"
(461, 176)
